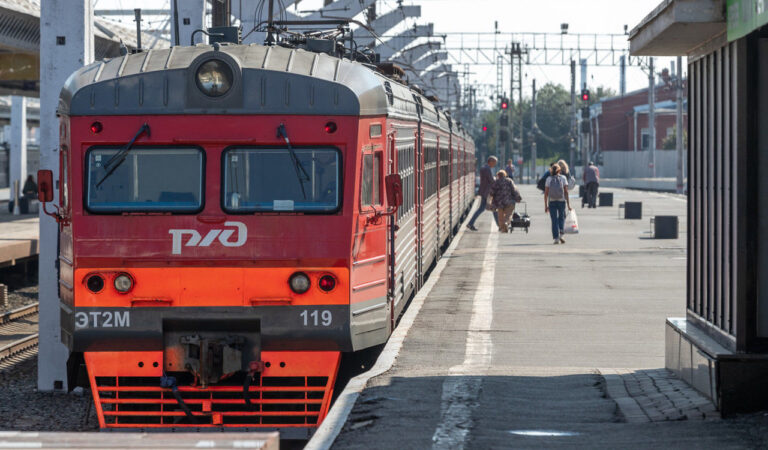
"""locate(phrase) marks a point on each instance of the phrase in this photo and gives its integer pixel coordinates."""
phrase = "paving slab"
(509, 349)
(117, 440)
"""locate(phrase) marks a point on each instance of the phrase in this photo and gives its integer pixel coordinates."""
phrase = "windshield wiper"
(119, 157)
(296, 163)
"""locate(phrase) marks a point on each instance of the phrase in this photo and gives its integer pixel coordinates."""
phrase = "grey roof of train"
(270, 80)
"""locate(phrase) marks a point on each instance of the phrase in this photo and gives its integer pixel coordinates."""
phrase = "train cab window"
(370, 184)
(64, 176)
(141, 182)
(271, 180)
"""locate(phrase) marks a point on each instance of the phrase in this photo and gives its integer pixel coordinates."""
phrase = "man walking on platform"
(510, 169)
(486, 180)
(592, 181)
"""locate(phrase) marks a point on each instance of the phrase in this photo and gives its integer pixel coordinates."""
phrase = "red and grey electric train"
(232, 218)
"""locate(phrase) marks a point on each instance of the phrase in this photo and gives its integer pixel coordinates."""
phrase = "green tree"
(553, 120)
(670, 142)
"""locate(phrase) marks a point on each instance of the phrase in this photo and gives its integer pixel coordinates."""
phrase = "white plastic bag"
(571, 223)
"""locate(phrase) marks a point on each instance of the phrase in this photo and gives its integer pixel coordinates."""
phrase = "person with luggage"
(592, 182)
(486, 180)
(503, 199)
(555, 201)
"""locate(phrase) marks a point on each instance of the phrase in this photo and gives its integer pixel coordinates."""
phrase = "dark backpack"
(542, 183)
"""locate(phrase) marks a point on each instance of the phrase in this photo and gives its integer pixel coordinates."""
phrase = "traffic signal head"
(585, 95)
(485, 128)
(504, 103)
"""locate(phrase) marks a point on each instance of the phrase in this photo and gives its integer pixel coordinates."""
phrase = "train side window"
(366, 183)
(64, 177)
(377, 178)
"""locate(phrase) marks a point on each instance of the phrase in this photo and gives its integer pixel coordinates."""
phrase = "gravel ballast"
(20, 297)
(23, 408)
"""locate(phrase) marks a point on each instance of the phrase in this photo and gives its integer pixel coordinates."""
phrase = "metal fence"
(722, 206)
(629, 164)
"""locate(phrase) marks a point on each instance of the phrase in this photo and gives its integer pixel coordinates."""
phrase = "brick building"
(621, 123)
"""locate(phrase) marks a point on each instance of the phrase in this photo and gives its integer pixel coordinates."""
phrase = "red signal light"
(330, 127)
(327, 283)
(504, 105)
(485, 128)
(96, 127)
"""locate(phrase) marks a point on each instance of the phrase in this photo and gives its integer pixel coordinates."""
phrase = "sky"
(513, 16)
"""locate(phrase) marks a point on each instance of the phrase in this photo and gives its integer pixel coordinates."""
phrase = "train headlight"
(123, 283)
(327, 283)
(299, 282)
(95, 283)
(214, 78)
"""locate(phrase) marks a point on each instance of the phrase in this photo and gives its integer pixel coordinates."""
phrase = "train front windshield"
(145, 179)
(278, 179)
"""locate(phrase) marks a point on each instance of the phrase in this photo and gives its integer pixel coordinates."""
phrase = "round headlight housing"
(299, 282)
(214, 78)
(123, 283)
(327, 283)
(95, 283)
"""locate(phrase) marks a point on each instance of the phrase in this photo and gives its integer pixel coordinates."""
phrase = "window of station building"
(270, 180)
(142, 181)
(645, 139)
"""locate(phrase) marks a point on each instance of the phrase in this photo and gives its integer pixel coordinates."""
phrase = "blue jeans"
(483, 203)
(557, 214)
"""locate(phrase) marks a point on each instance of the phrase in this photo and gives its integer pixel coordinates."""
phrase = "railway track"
(18, 335)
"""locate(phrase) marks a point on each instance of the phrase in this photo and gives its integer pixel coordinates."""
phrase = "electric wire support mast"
(232, 218)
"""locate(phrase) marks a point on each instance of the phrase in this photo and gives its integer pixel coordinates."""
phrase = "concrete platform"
(261, 441)
(19, 236)
(526, 344)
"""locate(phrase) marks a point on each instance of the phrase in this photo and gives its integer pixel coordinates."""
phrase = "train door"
(368, 297)
(440, 206)
(404, 279)
(392, 167)
(453, 192)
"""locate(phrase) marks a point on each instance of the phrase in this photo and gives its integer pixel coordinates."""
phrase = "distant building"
(621, 123)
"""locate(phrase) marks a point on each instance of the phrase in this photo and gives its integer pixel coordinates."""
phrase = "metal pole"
(520, 102)
(137, 15)
(679, 130)
(652, 116)
(176, 22)
(533, 131)
(271, 23)
(573, 111)
(623, 75)
(16, 197)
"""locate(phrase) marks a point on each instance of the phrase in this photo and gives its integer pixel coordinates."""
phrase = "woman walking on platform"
(503, 194)
(555, 201)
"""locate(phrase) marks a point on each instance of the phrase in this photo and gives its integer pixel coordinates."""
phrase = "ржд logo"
(196, 240)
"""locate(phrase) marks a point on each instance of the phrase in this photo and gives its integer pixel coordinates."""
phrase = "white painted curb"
(331, 427)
